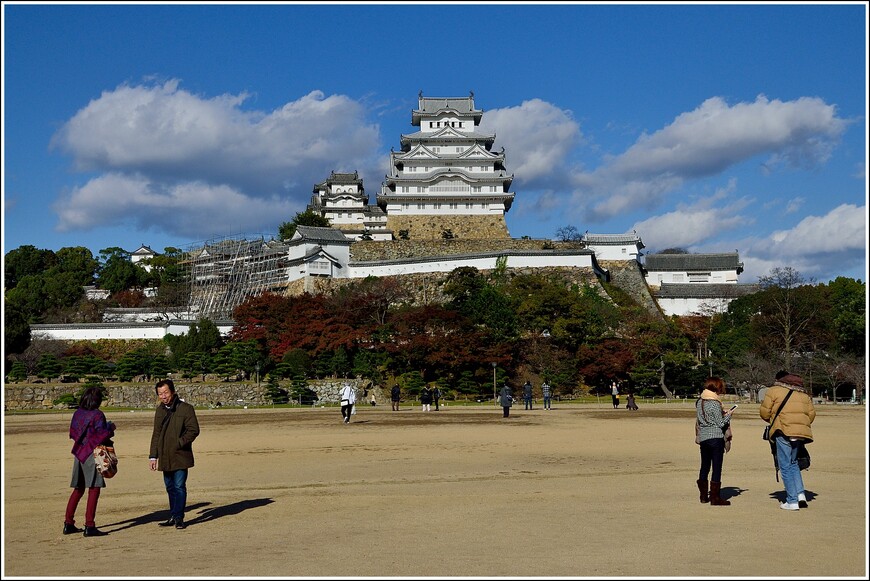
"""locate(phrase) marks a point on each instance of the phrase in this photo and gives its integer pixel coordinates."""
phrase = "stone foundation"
(431, 227)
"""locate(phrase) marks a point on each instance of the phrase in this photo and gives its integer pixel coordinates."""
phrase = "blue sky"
(708, 127)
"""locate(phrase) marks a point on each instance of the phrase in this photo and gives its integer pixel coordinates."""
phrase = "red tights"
(90, 511)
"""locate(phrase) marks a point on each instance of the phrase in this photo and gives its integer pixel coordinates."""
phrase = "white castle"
(441, 206)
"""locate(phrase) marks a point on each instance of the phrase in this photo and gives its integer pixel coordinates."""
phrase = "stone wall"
(431, 227)
(371, 250)
(628, 276)
(18, 397)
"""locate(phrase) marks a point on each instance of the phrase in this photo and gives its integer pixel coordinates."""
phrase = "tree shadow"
(153, 517)
(217, 512)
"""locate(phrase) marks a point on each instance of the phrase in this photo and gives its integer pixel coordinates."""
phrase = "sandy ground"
(578, 491)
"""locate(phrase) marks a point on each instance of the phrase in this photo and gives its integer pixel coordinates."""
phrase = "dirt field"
(579, 491)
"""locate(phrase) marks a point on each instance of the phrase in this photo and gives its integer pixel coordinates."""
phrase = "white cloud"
(704, 143)
(537, 137)
(170, 134)
(193, 210)
(821, 247)
(186, 164)
(694, 224)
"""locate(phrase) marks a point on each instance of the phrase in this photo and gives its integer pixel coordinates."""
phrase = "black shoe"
(94, 532)
(802, 504)
(69, 529)
(168, 523)
(179, 524)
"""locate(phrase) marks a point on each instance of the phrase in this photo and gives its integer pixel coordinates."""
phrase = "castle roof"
(430, 106)
(688, 290)
(687, 262)
(612, 239)
(320, 234)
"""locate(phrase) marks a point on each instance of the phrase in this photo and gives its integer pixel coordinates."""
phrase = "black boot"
(715, 499)
(94, 532)
(179, 524)
(69, 529)
(168, 523)
(702, 486)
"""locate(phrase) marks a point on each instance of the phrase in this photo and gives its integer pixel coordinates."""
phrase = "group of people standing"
(788, 409)
(171, 452)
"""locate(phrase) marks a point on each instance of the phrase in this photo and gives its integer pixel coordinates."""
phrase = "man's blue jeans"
(176, 488)
(786, 456)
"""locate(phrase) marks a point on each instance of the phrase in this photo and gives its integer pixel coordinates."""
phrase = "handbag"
(345, 402)
(803, 457)
(106, 460)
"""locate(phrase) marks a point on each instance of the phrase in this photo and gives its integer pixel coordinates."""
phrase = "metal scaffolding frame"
(223, 272)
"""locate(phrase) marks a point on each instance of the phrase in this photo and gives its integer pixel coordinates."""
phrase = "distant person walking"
(630, 404)
(436, 396)
(506, 399)
(426, 398)
(790, 429)
(527, 395)
(711, 423)
(87, 429)
(348, 399)
(545, 392)
(395, 396)
(614, 394)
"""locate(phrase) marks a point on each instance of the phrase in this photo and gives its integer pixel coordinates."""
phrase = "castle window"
(421, 206)
(469, 206)
(405, 206)
(453, 205)
(437, 206)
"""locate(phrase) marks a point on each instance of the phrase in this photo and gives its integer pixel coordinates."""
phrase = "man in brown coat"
(789, 430)
(175, 429)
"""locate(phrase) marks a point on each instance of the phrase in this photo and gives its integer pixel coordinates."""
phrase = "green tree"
(26, 261)
(274, 392)
(307, 218)
(117, 273)
(48, 366)
(16, 330)
(78, 262)
(849, 315)
(18, 372)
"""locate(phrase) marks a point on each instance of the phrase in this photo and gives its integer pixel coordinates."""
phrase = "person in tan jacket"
(790, 430)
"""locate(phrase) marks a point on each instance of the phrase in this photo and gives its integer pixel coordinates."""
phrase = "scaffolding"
(223, 272)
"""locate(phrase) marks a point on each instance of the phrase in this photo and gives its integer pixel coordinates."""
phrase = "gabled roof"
(612, 239)
(407, 138)
(431, 106)
(693, 262)
(320, 234)
(143, 250)
(340, 178)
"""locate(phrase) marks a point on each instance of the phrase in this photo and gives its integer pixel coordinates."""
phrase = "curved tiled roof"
(689, 290)
(679, 262)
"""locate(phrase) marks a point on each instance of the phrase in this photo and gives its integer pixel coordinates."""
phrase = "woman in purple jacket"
(88, 429)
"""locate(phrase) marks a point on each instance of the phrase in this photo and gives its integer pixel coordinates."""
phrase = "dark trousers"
(436, 404)
(712, 453)
(176, 488)
(528, 402)
(345, 411)
(507, 410)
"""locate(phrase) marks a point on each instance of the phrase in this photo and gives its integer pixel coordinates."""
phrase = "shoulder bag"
(106, 459)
